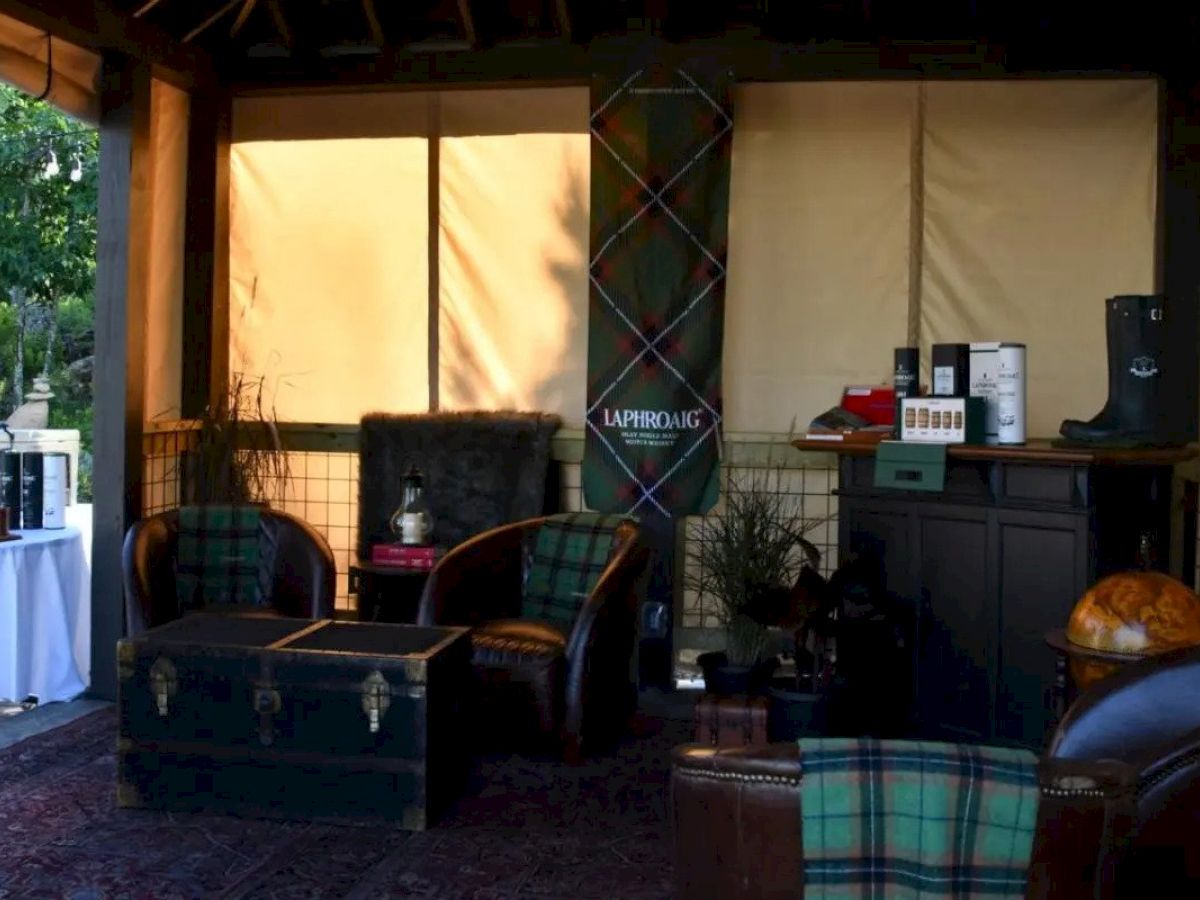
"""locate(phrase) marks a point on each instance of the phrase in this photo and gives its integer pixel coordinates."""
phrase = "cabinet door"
(1043, 571)
(883, 529)
(959, 622)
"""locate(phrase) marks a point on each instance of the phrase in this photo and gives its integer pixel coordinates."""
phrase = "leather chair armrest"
(1167, 847)
(305, 574)
(602, 638)
(736, 818)
(1086, 820)
(148, 570)
(480, 579)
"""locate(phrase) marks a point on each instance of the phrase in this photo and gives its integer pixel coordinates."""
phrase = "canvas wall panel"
(164, 304)
(75, 72)
(328, 274)
(818, 255)
(513, 237)
(1039, 204)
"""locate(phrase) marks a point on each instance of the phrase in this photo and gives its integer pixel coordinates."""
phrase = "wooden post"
(205, 370)
(1179, 232)
(122, 274)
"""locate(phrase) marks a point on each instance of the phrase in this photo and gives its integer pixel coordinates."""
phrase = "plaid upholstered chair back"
(568, 555)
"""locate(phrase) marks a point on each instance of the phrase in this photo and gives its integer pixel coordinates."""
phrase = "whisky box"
(951, 370)
(942, 420)
(10, 486)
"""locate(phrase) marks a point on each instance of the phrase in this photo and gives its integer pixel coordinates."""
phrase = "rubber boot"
(1137, 412)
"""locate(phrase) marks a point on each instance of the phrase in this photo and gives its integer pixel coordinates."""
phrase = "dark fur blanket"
(481, 469)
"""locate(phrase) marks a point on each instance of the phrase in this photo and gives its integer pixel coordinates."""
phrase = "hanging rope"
(49, 68)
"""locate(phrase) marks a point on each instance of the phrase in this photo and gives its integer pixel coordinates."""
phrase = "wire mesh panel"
(801, 496)
(322, 489)
(162, 452)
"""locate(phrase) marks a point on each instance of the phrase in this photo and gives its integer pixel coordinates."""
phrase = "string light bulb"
(52, 168)
(76, 170)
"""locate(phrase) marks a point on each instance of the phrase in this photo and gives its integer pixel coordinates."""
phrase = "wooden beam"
(377, 34)
(122, 284)
(281, 23)
(242, 16)
(1178, 273)
(204, 26)
(556, 62)
(205, 369)
(468, 22)
(433, 243)
(103, 27)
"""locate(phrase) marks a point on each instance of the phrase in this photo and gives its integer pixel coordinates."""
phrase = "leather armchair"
(575, 681)
(304, 582)
(1119, 811)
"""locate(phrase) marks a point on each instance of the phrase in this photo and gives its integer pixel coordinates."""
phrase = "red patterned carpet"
(524, 828)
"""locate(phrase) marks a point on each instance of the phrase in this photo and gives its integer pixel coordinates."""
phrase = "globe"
(1132, 613)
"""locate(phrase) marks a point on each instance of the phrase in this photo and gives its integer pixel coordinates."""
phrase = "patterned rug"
(525, 827)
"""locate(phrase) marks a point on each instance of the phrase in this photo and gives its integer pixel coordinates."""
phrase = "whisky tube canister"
(1010, 393)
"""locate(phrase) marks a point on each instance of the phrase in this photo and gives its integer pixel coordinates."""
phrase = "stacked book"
(405, 556)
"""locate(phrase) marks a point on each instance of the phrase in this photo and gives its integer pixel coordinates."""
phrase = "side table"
(387, 593)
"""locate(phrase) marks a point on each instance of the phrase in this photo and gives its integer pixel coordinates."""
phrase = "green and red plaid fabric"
(217, 559)
(570, 553)
(661, 150)
(890, 820)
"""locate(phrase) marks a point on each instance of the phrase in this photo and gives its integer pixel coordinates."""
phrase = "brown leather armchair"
(1120, 807)
(304, 581)
(570, 684)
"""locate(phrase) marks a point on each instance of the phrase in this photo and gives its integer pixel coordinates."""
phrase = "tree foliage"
(48, 169)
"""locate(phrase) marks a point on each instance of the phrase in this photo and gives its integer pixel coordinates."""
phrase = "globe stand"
(1077, 668)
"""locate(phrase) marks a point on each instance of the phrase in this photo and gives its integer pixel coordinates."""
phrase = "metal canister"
(1010, 393)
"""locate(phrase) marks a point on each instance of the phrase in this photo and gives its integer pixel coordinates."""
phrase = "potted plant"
(754, 560)
(235, 454)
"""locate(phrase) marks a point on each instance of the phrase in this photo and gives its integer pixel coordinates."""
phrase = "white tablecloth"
(45, 616)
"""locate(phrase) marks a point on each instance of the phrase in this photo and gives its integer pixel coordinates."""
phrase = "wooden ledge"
(1037, 450)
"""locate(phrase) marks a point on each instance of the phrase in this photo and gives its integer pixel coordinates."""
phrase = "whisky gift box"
(943, 420)
(951, 370)
(10, 486)
(34, 486)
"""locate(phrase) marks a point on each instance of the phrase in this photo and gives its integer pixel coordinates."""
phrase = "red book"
(422, 565)
(401, 554)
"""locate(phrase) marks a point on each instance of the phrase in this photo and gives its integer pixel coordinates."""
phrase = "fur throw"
(481, 469)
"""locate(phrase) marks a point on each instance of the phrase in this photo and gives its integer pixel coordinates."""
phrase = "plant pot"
(722, 678)
(794, 713)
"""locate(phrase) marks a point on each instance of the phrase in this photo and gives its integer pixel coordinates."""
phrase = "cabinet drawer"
(1041, 484)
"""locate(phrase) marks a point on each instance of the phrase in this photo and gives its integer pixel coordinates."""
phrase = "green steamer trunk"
(293, 717)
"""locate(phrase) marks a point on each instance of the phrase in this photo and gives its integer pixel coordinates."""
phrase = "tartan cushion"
(217, 557)
(570, 554)
(902, 819)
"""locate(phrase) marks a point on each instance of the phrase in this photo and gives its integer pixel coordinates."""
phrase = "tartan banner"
(661, 140)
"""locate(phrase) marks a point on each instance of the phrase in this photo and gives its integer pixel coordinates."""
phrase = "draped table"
(45, 616)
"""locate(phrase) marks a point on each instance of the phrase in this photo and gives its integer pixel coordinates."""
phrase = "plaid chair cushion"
(901, 819)
(217, 559)
(570, 554)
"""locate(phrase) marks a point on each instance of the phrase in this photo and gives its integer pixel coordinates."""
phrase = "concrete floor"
(16, 728)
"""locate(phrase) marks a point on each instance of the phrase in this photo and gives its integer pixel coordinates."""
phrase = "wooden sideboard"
(995, 560)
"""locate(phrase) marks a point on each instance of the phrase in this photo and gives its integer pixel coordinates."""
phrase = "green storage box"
(910, 466)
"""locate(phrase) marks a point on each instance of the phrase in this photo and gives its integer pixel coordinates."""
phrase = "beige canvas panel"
(75, 72)
(1039, 203)
(513, 252)
(328, 274)
(164, 305)
(818, 253)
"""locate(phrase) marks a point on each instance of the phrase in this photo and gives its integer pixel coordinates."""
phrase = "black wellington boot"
(1138, 411)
